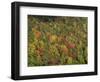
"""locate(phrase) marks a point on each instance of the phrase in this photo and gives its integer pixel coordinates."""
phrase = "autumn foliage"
(57, 40)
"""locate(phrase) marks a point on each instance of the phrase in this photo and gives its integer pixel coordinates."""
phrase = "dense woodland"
(57, 40)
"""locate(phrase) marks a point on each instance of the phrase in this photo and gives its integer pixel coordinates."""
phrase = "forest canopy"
(57, 40)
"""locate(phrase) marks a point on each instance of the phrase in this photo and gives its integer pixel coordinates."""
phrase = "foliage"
(57, 40)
